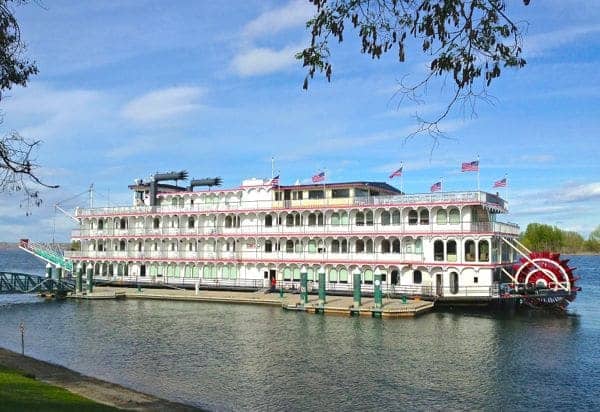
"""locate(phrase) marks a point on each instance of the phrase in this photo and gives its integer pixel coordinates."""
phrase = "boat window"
(413, 217)
(316, 194)
(454, 216)
(385, 246)
(278, 196)
(396, 246)
(156, 223)
(296, 273)
(417, 277)
(424, 217)
(344, 245)
(441, 217)
(385, 218)
(484, 251)
(340, 193)
(451, 251)
(360, 219)
(438, 250)
(312, 219)
(228, 221)
(297, 195)
(369, 215)
(396, 217)
(319, 219)
(191, 223)
(268, 221)
(298, 247)
(122, 245)
(233, 272)
(312, 246)
(408, 246)
(360, 192)
(343, 276)
(123, 224)
(310, 274)
(333, 276)
(359, 246)
(419, 245)
(344, 218)
(287, 274)
(100, 224)
(268, 246)
(225, 272)
(453, 282)
(174, 201)
(470, 251)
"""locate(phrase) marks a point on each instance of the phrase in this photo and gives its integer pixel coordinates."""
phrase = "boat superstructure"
(448, 246)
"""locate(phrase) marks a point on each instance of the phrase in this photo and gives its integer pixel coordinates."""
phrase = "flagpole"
(506, 187)
(402, 177)
(441, 183)
(478, 172)
(272, 167)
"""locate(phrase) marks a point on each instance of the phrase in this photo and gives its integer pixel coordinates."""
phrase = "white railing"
(376, 229)
(225, 206)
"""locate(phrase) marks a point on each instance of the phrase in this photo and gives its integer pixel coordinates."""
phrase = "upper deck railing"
(373, 201)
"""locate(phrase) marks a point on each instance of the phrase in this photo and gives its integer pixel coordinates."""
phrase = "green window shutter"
(287, 274)
(296, 274)
(368, 276)
(310, 274)
(333, 275)
(343, 275)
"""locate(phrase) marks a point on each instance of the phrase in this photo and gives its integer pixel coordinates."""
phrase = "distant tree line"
(538, 236)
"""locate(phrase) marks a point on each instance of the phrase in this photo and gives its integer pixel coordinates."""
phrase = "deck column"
(79, 279)
(377, 295)
(90, 279)
(356, 285)
(322, 284)
(303, 286)
(59, 272)
(48, 271)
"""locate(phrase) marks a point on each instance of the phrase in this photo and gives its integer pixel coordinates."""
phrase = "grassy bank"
(22, 393)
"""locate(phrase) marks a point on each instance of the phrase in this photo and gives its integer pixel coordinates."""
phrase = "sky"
(129, 88)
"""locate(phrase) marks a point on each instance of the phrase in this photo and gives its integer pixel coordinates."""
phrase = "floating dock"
(335, 305)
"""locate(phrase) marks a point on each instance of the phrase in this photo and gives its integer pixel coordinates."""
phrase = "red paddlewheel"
(549, 280)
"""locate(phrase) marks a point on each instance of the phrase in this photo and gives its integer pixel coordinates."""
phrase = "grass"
(19, 392)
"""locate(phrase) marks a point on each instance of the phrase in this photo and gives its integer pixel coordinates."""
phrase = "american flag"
(470, 166)
(500, 183)
(319, 177)
(436, 187)
(396, 173)
(275, 181)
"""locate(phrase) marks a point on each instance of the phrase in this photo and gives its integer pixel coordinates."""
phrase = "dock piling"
(377, 295)
(322, 293)
(303, 286)
(90, 279)
(79, 279)
(356, 285)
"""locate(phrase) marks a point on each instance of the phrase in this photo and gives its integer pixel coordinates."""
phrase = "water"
(239, 357)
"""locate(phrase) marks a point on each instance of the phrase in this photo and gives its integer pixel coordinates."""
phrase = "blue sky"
(129, 88)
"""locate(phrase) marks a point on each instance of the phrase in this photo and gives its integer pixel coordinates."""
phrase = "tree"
(593, 242)
(17, 163)
(470, 41)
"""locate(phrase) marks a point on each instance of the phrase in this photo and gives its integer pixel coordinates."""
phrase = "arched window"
(419, 245)
(413, 217)
(441, 217)
(369, 246)
(417, 277)
(296, 274)
(424, 217)
(344, 246)
(289, 219)
(335, 219)
(470, 251)
(312, 219)
(268, 221)
(385, 246)
(343, 276)
(225, 272)
(123, 224)
(385, 218)
(359, 246)
(122, 245)
(287, 274)
(298, 247)
(297, 219)
(369, 217)
(484, 251)
(451, 251)
(438, 250)
(360, 219)
(191, 223)
(100, 224)
(156, 223)
(335, 246)
(228, 221)
(333, 276)
(453, 283)
(289, 246)
(454, 216)
(312, 246)
(268, 246)
(343, 218)
(368, 277)
(396, 246)
(396, 220)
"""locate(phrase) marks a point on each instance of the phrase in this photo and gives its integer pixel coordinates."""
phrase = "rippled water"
(238, 357)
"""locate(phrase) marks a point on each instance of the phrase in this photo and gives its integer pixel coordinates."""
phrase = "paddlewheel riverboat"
(444, 246)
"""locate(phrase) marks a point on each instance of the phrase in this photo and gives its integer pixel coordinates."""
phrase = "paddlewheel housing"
(545, 280)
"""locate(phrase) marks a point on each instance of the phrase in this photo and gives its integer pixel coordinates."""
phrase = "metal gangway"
(25, 283)
(48, 253)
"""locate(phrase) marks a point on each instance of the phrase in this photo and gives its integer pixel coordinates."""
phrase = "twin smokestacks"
(182, 175)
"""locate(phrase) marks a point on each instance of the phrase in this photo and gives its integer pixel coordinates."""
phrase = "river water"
(242, 357)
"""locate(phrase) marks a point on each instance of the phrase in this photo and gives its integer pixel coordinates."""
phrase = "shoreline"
(95, 389)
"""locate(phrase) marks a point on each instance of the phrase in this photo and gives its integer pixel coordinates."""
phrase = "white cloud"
(536, 44)
(165, 104)
(579, 193)
(259, 61)
(293, 14)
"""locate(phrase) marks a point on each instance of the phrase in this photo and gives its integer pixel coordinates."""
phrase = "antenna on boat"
(91, 196)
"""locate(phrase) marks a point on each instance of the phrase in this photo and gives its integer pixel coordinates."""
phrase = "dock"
(335, 305)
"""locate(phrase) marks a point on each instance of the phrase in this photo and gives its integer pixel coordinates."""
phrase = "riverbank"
(84, 392)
